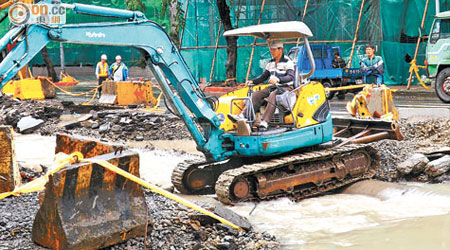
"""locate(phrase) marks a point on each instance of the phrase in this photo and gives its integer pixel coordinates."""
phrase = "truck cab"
(325, 73)
(438, 55)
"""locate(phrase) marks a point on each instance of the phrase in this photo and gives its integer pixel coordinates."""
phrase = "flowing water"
(411, 216)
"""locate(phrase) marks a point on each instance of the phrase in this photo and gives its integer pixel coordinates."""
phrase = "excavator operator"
(280, 73)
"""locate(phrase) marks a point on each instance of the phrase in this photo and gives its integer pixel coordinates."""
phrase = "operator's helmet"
(275, 44)
(104, 57)
(118, 57)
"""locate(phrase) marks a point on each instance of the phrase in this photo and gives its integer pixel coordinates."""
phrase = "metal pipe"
(215, 52)
(373, 137)
(438, 7)
(61, 56)
(103, 11)
(311, 60)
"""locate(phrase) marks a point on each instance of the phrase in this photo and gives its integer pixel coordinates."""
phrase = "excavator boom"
(146, 36)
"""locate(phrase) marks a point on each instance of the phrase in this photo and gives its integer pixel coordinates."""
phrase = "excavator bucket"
(355, 130)
(88, 207)
(373, 102)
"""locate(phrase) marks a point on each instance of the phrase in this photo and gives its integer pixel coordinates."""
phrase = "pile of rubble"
(28, 116)
(171, 226)
(421, 156)
(119, 125)
(126, 125)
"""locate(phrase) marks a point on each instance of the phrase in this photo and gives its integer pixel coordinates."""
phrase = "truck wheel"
(329, 94)
(443, 85)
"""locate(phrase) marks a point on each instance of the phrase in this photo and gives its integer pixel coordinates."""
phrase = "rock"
(116, 128)
(415, 164)
(95, 125)
(53, 111)
(94, 114)
(200, 235)
(104, 128)
(139, 138)
(203, 219)
(125, 120)
(232, 217)
(87, 124)
(28, 124)
(438, 167)
(116, 120)
(423, 178)
(226, 246)
(445, 178)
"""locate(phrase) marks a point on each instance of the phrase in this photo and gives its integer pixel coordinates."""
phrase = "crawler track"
(298, 176)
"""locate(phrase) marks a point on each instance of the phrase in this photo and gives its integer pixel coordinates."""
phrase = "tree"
(48, 63)
(230, 65)
(176, 18)
(135, 5)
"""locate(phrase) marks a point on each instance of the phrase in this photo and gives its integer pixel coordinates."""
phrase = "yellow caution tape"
(160, 191)
(158, 100)
(72, 94)
(415, 68)
(347, 87)
(92, 98)
(39, 184)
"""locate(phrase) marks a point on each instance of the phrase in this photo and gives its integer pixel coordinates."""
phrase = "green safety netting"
(391, 25)
(78, 54)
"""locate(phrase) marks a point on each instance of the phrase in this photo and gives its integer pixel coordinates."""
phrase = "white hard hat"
(118, 57)
(275, 44)
(104, 57)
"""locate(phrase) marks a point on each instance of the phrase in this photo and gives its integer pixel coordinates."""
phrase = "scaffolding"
(392, 26)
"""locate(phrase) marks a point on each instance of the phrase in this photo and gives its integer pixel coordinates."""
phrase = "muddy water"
(412, 217)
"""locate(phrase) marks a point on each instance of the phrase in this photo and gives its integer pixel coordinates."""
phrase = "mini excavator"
(294, 157)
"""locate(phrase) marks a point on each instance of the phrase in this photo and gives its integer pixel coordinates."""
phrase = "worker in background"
(118, 70)
(372, 66)
(338, 62)
(280, 73)
(101, 71)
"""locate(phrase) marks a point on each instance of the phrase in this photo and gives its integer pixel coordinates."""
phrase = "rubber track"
(178, 173)
(226, 179)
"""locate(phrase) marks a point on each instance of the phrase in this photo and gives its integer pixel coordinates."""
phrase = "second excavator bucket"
(373, 102)
(355, 130)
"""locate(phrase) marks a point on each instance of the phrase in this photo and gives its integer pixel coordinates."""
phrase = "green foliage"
(135, 5)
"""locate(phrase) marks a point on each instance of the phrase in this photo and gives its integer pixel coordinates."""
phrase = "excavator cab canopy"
(274, 31)
(279, 31)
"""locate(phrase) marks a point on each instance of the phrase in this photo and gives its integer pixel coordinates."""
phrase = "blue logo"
(221, 117)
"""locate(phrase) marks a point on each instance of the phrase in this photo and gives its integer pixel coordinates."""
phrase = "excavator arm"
(163, 57)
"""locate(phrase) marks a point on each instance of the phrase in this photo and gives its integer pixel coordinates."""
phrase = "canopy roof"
(274, 31)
